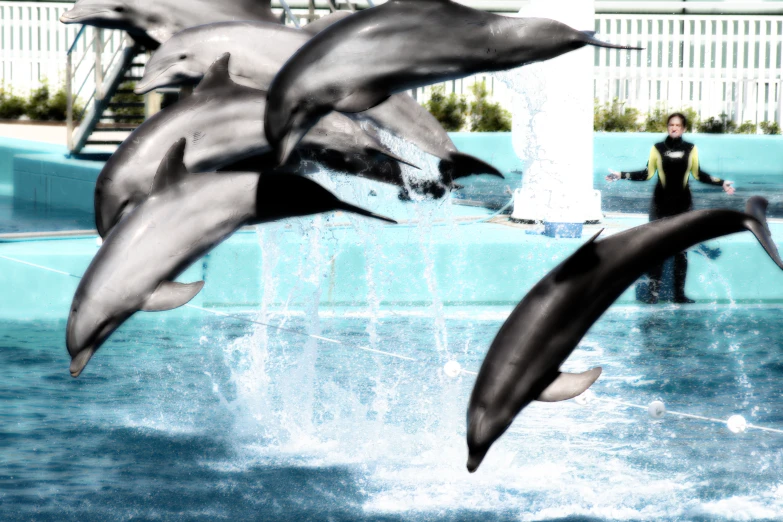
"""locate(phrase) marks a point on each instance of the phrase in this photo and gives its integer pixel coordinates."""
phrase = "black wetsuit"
(674, 159)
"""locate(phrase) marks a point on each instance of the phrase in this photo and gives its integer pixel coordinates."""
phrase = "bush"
(657, 119)
(770, 127)
(11, 106)
(58, 106)
(486, 116)
(713, 125)
(614, 118)
(747, 128)
(38, 104)
(450, 111)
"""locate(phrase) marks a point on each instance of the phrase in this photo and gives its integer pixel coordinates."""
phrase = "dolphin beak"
(474, 460)
(143, 87)
(80, 361)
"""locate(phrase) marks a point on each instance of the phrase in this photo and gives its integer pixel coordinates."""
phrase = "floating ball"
(99, 241)
(584, 397)
(737, 424)
(452, 369)
(656, 409)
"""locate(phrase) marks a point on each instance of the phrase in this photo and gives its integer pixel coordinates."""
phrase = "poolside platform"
(440, 253)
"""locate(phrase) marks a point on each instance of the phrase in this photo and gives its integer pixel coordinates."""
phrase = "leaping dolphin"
(185, 216)
(152, 22)
(185, 57)
(523, 362)
(359, 61)
(224, 123)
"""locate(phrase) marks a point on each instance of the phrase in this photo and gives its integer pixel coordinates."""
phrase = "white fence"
(712, 63)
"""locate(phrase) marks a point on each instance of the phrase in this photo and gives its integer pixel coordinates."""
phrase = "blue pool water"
(211, 418)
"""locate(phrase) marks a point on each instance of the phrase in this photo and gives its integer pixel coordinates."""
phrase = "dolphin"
(359, 61)
(223, 123)
(185, 216)
(152, 22)
(523, 361)
(185, 57)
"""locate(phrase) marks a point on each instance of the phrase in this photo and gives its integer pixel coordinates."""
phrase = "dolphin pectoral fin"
(460, 165)
(756, 207)
(170, 295)
(361, 100)
(581, 261)
(347, 207)
(569, 385)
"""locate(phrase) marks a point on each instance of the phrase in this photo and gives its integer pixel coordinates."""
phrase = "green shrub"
(657, 119)
(721, 125)
(486, 116)
(770, 127)
(747, 128)
(38, 104)
(612, 117)
(450, 111)
(11, 106)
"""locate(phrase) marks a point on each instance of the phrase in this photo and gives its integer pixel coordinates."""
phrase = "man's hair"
(682, 117)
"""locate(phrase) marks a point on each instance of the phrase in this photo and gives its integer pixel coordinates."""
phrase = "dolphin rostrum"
(152, 22)
(185, 216)
(523, 362)
(359, 61)
(185, 57)
(223, 123)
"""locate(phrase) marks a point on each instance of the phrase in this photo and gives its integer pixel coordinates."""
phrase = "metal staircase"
(102, 61)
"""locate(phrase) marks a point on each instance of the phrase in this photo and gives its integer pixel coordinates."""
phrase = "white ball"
(737, 424)
(452, 369)
(584, 397)
(656, 409)
(99, 241)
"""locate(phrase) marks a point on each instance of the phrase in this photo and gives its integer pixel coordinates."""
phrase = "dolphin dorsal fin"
(580, 261)
(172, 169)
(217, 76)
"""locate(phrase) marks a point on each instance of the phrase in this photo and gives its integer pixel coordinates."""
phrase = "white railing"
(712, 63)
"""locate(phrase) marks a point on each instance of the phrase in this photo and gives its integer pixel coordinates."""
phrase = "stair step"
(126, 104)
(103, 142)
(126, 91)
(123, 128)
(132, 78)
(121, 117)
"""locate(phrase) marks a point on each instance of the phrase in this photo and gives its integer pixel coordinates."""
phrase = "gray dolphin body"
(185, 57)
(223, 123)
(184, 218)
(152, 22)
(358, 62)
(523, 362)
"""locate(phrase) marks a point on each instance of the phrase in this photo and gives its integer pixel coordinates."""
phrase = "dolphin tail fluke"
(347, 207)
(756, 207)
(590, 39)
(569, 385)
(460, 165)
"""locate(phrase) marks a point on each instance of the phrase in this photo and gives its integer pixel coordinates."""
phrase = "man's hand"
(727, 187)
(613, 176)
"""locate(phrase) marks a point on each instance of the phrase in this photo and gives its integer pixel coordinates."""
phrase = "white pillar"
(553, 125)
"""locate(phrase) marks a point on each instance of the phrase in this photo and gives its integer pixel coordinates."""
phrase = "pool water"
(210, 418)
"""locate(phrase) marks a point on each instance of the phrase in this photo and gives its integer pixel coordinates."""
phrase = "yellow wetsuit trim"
(656, 163)
(693, 166)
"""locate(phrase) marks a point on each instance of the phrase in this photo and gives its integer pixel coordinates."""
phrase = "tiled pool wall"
(474, 264)
(44, 174)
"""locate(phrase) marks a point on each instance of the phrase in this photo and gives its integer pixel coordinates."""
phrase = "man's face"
(675, 127)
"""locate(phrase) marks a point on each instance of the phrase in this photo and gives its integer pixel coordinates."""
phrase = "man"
(673, 159)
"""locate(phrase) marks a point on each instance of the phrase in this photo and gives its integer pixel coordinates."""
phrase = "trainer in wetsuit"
(673, 159)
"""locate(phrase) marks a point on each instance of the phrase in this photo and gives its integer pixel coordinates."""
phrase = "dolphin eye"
(183, 57)
(119, 9)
